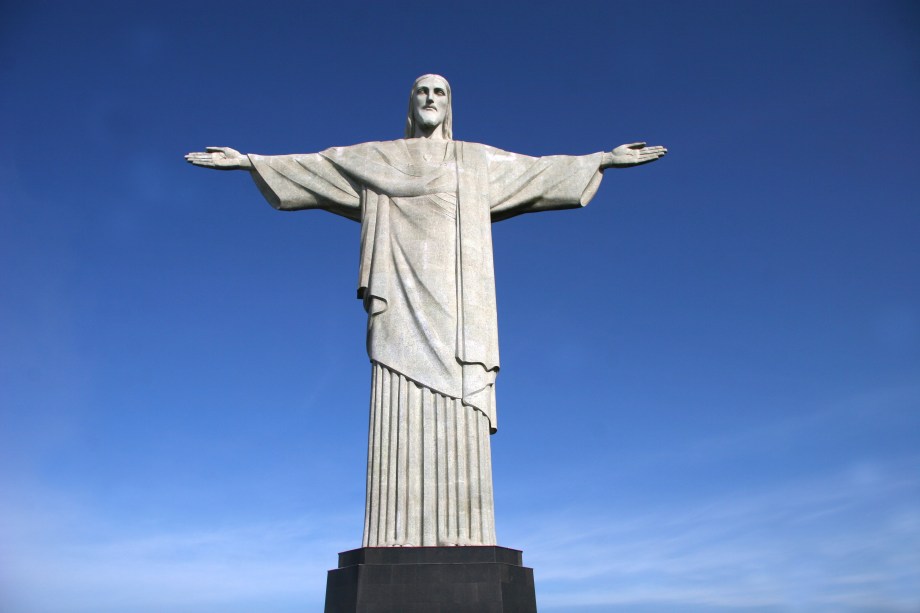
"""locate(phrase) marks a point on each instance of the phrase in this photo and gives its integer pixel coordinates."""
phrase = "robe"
(426, 278)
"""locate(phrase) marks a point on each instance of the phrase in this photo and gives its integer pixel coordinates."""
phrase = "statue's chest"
(433, 166)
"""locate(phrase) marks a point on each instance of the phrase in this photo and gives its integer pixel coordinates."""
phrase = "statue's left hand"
(632, 154)
(219, 158)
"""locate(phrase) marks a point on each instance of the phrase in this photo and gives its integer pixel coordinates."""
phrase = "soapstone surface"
(426, 279)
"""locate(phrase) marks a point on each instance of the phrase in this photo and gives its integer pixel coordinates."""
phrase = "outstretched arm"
(632, 154)
(219, 158)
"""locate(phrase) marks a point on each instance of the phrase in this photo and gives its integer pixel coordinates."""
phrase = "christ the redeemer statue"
(425, 204)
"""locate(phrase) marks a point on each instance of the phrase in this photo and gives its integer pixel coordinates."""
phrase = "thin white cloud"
(892, 404)
(48, 567)
(843, 542)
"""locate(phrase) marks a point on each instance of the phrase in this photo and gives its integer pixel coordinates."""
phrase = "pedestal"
(431, 580)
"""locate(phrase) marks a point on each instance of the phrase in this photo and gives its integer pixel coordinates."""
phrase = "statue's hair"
(446, 126)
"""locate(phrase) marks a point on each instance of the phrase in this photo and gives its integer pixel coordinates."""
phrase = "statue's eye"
(439, 92)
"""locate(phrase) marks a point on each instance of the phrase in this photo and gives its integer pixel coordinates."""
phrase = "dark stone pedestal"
(431, 580)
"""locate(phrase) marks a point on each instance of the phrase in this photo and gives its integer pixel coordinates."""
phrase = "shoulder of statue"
(364, 149)
(478, 148)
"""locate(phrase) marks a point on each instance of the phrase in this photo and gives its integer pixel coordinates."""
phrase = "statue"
(425, 204)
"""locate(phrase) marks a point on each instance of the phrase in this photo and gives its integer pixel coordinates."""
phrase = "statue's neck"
(432, 133)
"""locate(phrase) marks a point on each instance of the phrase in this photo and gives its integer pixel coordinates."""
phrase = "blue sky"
(710, 388)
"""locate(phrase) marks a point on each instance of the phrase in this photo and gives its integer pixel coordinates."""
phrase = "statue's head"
(430, 106)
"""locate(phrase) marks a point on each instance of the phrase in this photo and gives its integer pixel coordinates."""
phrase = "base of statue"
(481, 579)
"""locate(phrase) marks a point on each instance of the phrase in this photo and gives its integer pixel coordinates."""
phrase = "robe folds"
(425, 271)
(427, 281)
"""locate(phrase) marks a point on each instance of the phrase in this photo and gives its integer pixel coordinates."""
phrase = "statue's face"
(430, 102)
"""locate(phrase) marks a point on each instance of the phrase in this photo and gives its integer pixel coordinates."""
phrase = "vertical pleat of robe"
(429, 468)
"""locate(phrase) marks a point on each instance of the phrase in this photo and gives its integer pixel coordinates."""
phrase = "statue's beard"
(428, 121)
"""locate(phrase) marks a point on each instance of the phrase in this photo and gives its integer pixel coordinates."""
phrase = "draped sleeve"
(521, 184)
(306, 181)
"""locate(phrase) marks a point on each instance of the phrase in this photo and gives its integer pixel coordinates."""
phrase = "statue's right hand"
(220, 158)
